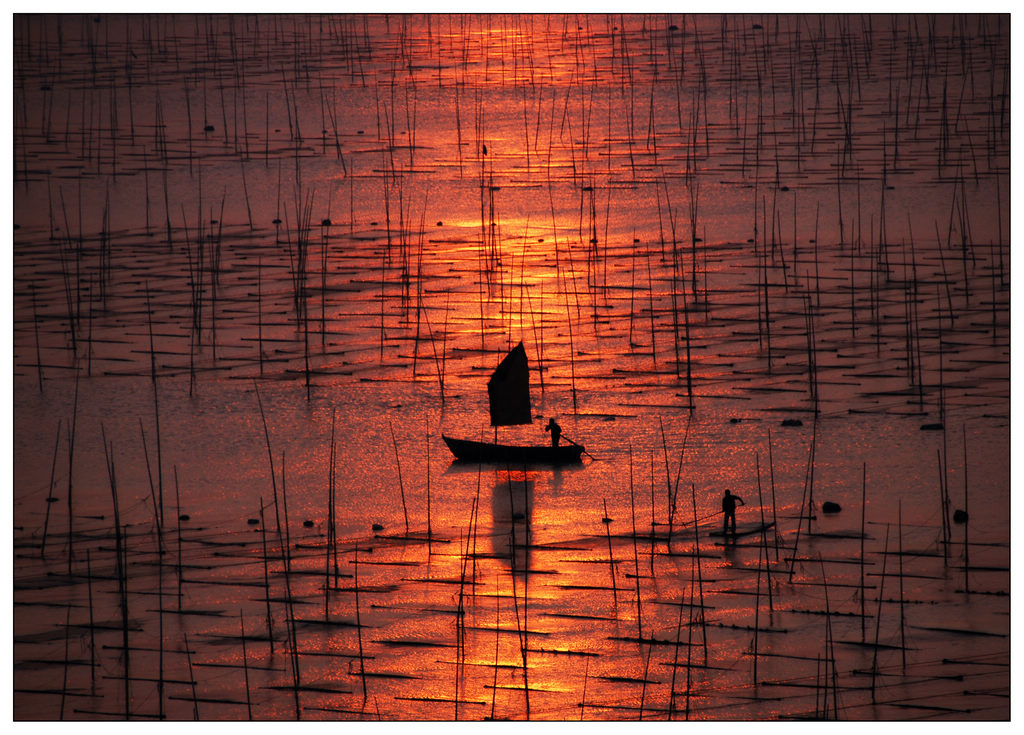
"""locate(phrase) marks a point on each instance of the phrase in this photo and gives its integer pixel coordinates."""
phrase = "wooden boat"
(466, 450)
(508, 391)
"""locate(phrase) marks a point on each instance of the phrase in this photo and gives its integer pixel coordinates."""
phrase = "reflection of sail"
(511, 508)
(509, 390)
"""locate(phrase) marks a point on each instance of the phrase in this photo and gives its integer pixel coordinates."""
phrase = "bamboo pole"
(878, 615)
(611, 559)
(49, 496)
(967, 522)
(863, 515)
(401, 487)
(636, 559)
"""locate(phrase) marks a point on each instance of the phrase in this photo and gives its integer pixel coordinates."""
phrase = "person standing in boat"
(729, 502)
(556, 431)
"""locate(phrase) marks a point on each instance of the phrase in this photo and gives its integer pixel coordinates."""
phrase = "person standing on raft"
(556, 431)
(729, 510)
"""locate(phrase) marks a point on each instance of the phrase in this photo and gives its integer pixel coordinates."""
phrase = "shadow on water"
(512, 509)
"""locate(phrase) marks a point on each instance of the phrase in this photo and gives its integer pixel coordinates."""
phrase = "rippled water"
(699, 227)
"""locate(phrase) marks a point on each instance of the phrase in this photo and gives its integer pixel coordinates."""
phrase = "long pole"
(611, 559)
(49, 497)
(863, 515)
(401, 487)
(967, 546)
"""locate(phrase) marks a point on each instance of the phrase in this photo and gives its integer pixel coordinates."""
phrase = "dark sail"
(509, 390)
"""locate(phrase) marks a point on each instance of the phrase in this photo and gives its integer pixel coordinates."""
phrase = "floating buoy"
(960, 516)
(829, 507)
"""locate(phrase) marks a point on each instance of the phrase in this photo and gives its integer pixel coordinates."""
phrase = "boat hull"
(466, 450)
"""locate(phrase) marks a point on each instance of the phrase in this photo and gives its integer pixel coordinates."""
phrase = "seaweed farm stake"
(266, 578)
(764, 539)
(92, 624)
(775, 515)
(863, 513)
(401, 487)
(700, 586)
(761, 559)
(49, 497)
(611, 559)
(270, 457)
(636, 560)
(289, 599)
(497, 631)
(878, 616)
(430, 534)
(359, 624)
(245, 664)
(967, 520)
(903, 629)
(71, 461)
(156, 407)
(35, 327)
(67, 638)
(192, 678)
(583, 698)
(177, 503)
(520, 625)
(122, 573)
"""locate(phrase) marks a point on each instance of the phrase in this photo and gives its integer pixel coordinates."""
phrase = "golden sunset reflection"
(549, 367)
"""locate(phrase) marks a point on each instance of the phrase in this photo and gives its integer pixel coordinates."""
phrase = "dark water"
(698, 226)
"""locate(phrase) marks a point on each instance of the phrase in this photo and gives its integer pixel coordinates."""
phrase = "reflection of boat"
(745, 529)
(472, 451)
(509, 394)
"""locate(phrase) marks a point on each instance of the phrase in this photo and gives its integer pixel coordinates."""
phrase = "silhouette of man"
(556, 431)
(729, 509)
